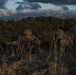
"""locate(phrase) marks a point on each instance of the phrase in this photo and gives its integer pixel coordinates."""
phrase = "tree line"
(41, 27)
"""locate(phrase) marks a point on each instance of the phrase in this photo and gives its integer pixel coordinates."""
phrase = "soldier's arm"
(37, 41)
(8, 43)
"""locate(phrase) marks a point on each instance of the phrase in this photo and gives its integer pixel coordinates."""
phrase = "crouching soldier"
(60, 42)
(29, 42)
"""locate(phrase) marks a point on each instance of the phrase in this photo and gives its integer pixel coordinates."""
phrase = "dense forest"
(43, 28)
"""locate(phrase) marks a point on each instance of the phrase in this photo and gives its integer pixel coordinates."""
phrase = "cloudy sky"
(18, 9)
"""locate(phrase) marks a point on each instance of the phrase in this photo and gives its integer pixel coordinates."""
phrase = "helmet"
(60, 33)
(27, 31)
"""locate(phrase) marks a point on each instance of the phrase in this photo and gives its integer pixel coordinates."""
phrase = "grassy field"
(44, 63)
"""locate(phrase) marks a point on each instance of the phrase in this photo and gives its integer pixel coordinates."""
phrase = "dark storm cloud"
(19, 7)
(2, 4)
(64, 7)
(35, 6)
(20, 2)
(72, 2)
(27, 5)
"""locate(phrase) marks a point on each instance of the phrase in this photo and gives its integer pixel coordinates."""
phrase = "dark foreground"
(36, 64)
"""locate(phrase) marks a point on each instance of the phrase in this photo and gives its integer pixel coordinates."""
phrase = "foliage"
(41, 26)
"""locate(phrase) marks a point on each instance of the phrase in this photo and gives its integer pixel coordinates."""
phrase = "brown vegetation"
(46, 63)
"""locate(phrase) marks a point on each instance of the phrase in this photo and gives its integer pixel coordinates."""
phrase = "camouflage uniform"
(58, 46)
(60, 42)
(29, 41)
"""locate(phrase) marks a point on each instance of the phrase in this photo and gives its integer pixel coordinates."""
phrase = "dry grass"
(36, 64)
(33, 68)
(58, 69)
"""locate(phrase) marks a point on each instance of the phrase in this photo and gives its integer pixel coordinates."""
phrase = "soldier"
(29, 42)
(60, 43)
(61, 40)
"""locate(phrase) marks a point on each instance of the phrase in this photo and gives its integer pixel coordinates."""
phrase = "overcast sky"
(18, 9)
